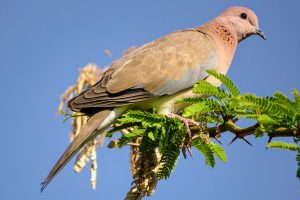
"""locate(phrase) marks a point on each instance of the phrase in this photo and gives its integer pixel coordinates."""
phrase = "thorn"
(189, 150)
(241, 137)
(232, 141)
(295, 139)
(270, 139)
(247, 141)
(235, 120)
(218, 140)
(183, 149)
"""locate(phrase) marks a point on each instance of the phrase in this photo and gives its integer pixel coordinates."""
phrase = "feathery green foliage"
(298, 161)
(297, 98)
(209, 150)
(271, 113)
(218, 151)
(205, 106)
(234, 91)
(283, 146)
(217, 113)
(287, 146)
(168, 161)
(208, 89)
(157, 132)
(206, 150)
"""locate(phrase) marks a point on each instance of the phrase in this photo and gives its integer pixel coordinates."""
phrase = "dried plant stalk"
(145, 172)
(93, 157)
(144, 169)
(87, 77)
(134, 150)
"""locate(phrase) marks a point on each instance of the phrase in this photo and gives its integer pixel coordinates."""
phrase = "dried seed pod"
(87, 77)
(145, 176)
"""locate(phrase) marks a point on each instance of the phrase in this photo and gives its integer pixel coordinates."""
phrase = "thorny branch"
(241, 133)
(146, 182)
(231, 127)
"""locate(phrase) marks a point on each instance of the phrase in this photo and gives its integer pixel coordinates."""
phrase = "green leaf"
(66, 119)
(146, 118)
(298, 161)
(119, 127)
(207, 105)
(151, 135)
(130, 136)
(287, 146)
(178, 135)
(285, 102)
(206, 88)
(70, 115)
(283, 146)
(164, 140)
(205, 149)
(219, 151)
(147, 146)
(191, 100)
(262, 105)
(265, 119)
(297, 97)
(234, 91)
(168, 162)
(259, 132)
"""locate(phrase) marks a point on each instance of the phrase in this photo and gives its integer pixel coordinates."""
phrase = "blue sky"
(43, 43)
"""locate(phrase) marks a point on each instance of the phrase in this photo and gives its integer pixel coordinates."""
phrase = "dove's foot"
(187, 127)
(184, 120)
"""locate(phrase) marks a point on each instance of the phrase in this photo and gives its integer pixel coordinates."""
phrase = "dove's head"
(243, 21)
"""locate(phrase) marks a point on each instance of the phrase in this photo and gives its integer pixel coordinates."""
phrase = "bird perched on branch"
(157, 74)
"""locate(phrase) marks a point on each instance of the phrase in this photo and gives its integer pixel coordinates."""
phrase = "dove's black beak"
(261, 34)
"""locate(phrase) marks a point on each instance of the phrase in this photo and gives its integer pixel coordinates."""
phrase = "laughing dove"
(158, 74)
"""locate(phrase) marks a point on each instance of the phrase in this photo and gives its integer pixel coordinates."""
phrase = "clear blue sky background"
(43, 43)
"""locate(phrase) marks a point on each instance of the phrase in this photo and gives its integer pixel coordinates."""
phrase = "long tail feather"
(87, 133)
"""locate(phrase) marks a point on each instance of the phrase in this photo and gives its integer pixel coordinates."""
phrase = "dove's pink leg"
(186, 123)
(184, 120)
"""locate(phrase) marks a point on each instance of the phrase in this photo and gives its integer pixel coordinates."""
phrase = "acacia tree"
(156, 141)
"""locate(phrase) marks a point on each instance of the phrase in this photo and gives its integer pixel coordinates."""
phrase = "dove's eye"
(244, 15)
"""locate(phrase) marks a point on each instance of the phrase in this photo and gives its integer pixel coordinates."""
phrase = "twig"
(242, 132)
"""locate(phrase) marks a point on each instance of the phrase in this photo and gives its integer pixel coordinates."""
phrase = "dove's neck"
(222, 33)
(225, 41)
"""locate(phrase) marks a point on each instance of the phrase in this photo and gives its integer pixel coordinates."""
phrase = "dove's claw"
(186, 123)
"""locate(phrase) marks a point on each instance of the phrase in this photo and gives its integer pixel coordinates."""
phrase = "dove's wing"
(165, 66)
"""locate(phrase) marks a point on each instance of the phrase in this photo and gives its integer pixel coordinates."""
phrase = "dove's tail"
(88, 132)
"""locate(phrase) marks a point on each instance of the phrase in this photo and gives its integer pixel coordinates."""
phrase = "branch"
(230, 126)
